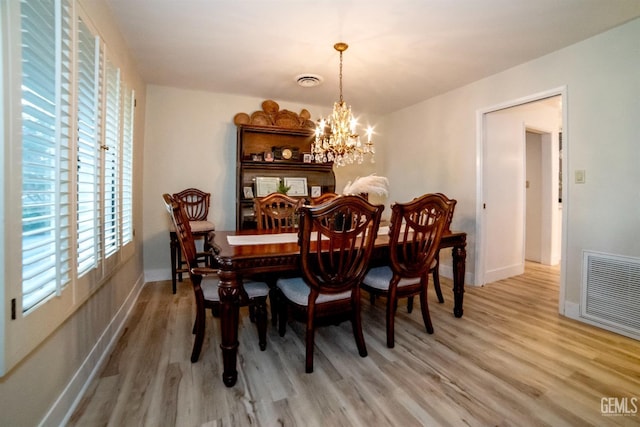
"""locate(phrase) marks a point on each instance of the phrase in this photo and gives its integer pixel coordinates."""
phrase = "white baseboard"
(157, 275)
(447, 271)
(503, 273)
(69, 399)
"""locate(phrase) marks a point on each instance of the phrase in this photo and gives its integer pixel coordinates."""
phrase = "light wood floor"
(511, 360)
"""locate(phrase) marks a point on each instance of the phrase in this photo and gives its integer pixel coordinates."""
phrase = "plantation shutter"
(45, 150)
(88, 150)
(111, 165)
(127, 166)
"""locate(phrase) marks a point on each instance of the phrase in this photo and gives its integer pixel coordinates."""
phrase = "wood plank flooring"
(511, 360)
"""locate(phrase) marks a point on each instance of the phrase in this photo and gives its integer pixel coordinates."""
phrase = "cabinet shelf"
(257, 140)
(286, 164)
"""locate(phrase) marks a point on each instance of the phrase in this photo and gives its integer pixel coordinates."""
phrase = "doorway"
(534, 174)
(502, 180)
(543, 207)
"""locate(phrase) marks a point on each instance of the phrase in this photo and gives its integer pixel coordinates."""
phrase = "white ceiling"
(400, 51)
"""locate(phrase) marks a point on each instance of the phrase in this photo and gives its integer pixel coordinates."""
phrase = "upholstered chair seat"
(297, 291)
(253, 289)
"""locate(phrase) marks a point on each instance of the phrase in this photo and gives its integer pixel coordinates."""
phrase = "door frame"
(479, 273)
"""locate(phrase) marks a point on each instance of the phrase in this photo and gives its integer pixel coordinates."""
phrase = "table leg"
(173, 238)
(229, 291)
(459, 258)
(179, 262)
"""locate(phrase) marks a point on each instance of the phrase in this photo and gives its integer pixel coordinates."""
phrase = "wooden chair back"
(415, 231)
(345, 229)
(195, 202)
(180, 220)
(323, 198)
(276, 211)
(452, 207)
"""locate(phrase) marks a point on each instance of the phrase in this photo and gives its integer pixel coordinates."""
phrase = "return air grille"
(611, 291)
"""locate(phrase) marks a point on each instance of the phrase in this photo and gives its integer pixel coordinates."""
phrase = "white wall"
(191, 142)
(436, 139)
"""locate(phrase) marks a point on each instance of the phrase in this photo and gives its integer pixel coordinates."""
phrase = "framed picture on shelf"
(307, 157)
(316, 191)
(268, 156)
(266, 185)
(297, 186)
(247, 192)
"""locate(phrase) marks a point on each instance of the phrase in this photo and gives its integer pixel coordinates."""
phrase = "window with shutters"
(89, 117)
(127, 165)
(111, 152)
(69, 115)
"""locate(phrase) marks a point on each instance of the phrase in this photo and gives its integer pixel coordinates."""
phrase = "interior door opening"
(543, 210)
(514, 225)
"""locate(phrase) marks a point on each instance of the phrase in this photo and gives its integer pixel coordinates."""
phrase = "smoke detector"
(309, 80)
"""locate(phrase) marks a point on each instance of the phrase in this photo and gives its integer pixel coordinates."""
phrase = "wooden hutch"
(274, 145)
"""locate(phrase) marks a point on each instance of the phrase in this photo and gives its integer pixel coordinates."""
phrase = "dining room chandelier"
(336, 138)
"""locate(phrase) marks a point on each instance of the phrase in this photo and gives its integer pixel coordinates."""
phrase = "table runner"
(270, 239)
(262, 239)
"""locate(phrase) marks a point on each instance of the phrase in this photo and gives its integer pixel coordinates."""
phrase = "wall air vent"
(611, 292)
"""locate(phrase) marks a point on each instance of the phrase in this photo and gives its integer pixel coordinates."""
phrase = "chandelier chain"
(341, 100)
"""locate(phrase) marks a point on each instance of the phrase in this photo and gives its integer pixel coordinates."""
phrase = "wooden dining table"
(245, 253)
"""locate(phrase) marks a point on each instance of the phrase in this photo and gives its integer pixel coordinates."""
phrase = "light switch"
(580, 176)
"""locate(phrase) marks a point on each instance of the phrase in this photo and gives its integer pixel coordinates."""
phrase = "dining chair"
(196, 205)
(435, 266)
(415, 231)
(336, 241)
(205, 283)
(276, 211)
(325, 197)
